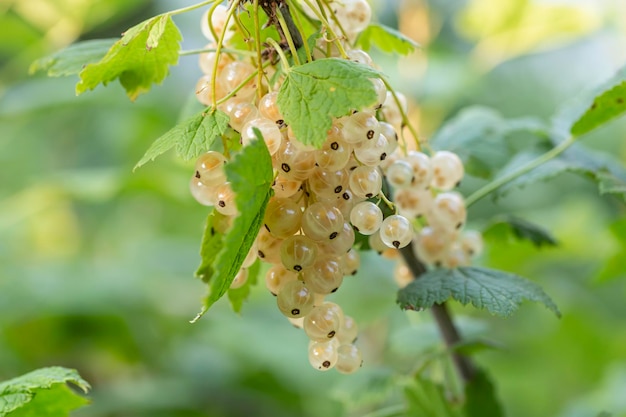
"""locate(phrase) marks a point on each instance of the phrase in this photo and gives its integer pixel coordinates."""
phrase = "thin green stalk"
(210, 19)
(242, 84)
(257, 41)
(298, 23)
(190, 8)
(280, 52)
(324, 21)
(225, 50)
(287, 33)
(494, 185)
(218, 50)
(405, 118)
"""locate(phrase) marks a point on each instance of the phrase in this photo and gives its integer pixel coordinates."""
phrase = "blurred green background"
(97, 262)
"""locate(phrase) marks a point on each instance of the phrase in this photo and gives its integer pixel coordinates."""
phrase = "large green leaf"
(594, 108)
(139, 59)
(478, 136)
(191, 137)
(499, 292)
(74, 58)
(239, 295)
(42, 393)
(250, 175)
(386, 39)
(312, 94)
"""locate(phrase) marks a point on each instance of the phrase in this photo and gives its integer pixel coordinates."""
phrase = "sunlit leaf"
(312, 94)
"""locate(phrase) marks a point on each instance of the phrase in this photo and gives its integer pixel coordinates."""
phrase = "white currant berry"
(400, 174)
(396, 231)
(268, 247)
(366, 217)
(448, 211)
(472, 242)
(295, 299)
(360, 127)
(350, 262)
(269, 132)
(447, 170)
(323, 322)
(349, 359)
(201, 192)
(365, 181)
(348, 331)
(342, 243)
(268, 108)
(218, 21)
(413, 202)
(402, 275)
(325, 275)
(431, 245)
(240, 279)
(277, 276)
(282, 217)
(323, 355)
(422, 169)
(210, 168)
(322, 222)
(284, 187)
(298, 252)
(225, 199)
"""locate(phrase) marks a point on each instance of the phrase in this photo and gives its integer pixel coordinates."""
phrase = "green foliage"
(606, 171)
(250, 174)
(42, 393)
(521, 229)
(191, 137)
(601, 106)
(139, 59)
(480, 397)
(313, 93)
(427, 398)
(478, 136)
(73, 59)
(237, 296)
(499, 292)
(386, 39)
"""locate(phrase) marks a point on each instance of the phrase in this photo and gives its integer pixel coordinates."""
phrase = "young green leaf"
(521, 229)
(386, 39)
(73, 59)
(427, 398)
(191, 137)
(237, 296)
(212, 243)
(313, 93)
(480, 396)
(497, 291)
(595, 108)
(251, 176)
(43, 392)
(141, 58)
(478, 136)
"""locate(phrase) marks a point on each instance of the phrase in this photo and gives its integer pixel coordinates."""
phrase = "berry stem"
(443, 318)
(287, 31)
(405, 118)
(257, 41)
(192, 7)
(322, 18)
(494, 185)
(281, 54)
(218, 49)
(300, 29)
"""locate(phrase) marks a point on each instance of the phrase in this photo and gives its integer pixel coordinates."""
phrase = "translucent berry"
(225, 199)
(240, 279)
(282, 217)
(348, 331)
(366, 217)
(323, 322)
(447, 170)
(323, 355)
(365, 181)
(396, 231)
(472, 242)
(201, 192)
(400, 174)
(422, 169)
(350, 262)
(448, 211)
(284, 187)
(269, 108)
(298, 252)
(269, 132)
(360, 127)
(295, 299)
(322, 222)
(277, 276)
(349, 359)
(210, 168)
(413, 202)
(325, 276)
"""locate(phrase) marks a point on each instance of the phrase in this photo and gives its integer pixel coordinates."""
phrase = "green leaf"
(480, 396)
(72, 59)
(497, 291)
(478, 136)
(313, 93)
(191, 137)
(141, 58)
(241, 294)
(43, 392)
(606, 171)
(212, 243)
(521, 229)
(594, 108)
(386, 39)
(427, 398)
(251, 176)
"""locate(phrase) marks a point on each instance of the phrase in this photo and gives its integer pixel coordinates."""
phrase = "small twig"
(442, 316)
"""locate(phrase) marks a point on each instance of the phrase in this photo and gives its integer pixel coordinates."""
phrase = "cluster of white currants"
(324, 197)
